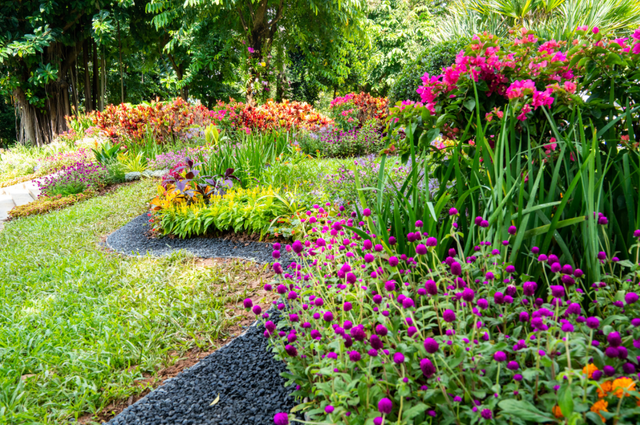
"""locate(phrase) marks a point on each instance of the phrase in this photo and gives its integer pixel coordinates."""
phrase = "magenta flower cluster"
(456, 338)
(88, 175)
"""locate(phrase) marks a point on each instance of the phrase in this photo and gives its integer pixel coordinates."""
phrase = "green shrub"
(431, 61)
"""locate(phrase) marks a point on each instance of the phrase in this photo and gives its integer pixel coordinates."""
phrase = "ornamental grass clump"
(74, 179)
(371, 337)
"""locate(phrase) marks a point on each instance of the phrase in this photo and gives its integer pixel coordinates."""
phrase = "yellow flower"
(557, 412)
(604, 389)
(600, 406)
(589, 369)
(263, 64)
(621, 384)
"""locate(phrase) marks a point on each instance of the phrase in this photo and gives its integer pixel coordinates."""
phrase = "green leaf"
(470, 104)
(520, 409)
(414, 411)
(565, 400)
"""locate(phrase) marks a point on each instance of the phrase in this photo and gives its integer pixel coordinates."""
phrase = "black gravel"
(243, 374)
(131, 239)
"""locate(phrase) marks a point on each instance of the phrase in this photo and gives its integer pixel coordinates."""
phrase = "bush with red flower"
(353, 110)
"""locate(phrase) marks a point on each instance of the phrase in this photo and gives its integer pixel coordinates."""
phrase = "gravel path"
(131, 239)
(243, 374)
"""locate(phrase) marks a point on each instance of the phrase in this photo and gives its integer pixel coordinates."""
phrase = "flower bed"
(373, 338)
(353, 110)
(47, 204)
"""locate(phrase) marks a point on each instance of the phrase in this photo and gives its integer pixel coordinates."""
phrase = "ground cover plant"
(373, 337)
(81, 324)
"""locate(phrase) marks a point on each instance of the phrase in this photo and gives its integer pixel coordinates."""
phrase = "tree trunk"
(88, 105)
(95, 74)
(74, 88)
(120, 59)
(103, 79)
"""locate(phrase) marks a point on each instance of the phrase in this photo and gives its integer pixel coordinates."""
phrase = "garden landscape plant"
(543, 137)
(371, 337)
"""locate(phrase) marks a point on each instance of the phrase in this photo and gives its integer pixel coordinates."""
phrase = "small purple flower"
(500, 356)
(398, 358)
(328, 316)
(486, 414)
(281, 419)
(427, 367)
(631, 297)
(385, 406)
(593, 322)
(431, 345)
(449, 316)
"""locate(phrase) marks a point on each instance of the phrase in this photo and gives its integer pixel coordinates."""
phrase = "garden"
(457, 244)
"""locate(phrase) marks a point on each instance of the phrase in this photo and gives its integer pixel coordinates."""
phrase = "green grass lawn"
(75, 318)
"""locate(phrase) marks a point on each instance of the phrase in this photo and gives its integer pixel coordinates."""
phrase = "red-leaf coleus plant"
(373, 338)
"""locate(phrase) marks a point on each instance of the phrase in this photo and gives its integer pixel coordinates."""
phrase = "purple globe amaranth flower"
(631, 297)
(247, 303)
(419, 223)
(614, 339)
(390, 285)
(327, 316)
(393, 261)
(567, 327)
(275, 254)
(281, 419)
(366, 212)
(512, 230)
(611, 352)
(629, 368)
(483, 303)
(427, 367)
(431, 287)
(557, 291)
(498, 298)
(392, 240)
(524, 316)
(412, 330)
(456, 268)
(517, 377)
(593, 322)
(453, 211)
(431, 241)
(294, 318)
(377, 420)
(636, 233)
(398, 358)
(622, 352)
(609, 370)
(257, 310)
(329, 409)
(573, 308)
(376, 342)
(382, 330)
(347, 306)
(385, 406)
(408, 303)
(490, 276)
(421, 249)
(486, 414)
(468, 294)
(277, 268)
(369, 258)
(377, 298)
(270, 326)
(513, 365)
(358, 333)
(291, 350)
(542, 257)
(449, 316)
(602, 255)
(510, 269)
(529, 288)
(556, 267)
(500, 356)
(431, 345)
(354, 356)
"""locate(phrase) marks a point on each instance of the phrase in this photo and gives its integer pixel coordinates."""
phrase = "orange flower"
(604, 389)
(622, 384)
(589, 369)
(557, 412)
(600, 406)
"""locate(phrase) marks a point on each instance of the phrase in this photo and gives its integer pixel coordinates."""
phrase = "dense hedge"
(432, 60)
